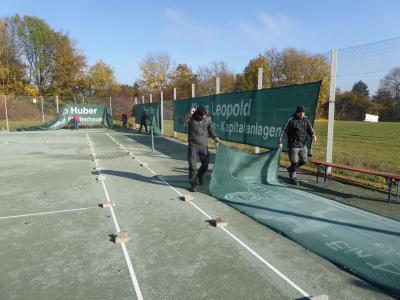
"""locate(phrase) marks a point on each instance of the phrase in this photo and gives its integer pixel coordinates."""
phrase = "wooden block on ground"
(121, 237)
(219, 222)
(144, 164)
(320, 297)
(186, 198)
(108, 204)
(101, 178)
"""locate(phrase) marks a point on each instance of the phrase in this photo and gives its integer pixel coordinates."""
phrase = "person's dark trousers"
(196, 152)
(124, 125)
(141, 126)
(298, 158)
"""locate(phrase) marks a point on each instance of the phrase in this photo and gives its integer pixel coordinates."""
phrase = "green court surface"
(56, 242)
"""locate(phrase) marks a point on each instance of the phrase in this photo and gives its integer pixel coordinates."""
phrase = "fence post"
(162, 112)
(331, 114)
(41, 97)
(57, 103)
(175, 135)
(151, 98)
(83, 100)
(111, 106)
(74, 99)
(5, 106)
(217, 86)
(142, 99)
(136, 125)
(193, 90)
(259, 87)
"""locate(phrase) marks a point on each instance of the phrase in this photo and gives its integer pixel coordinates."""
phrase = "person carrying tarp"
(143, 121)
(296, 128)
(199, 127)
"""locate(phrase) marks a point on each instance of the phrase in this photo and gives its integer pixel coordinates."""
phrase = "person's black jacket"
(199, 129)
(296, 130)
(144, 117)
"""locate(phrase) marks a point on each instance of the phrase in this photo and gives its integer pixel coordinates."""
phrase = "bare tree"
(391, 83)
(206, 78)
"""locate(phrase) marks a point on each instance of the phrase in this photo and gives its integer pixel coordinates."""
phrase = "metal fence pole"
(331, 113)
(136, 125)
(57, 103)
(5, 106)
(42, 109)
(162, 112)
(193, 90)
(142, 99)
(175, 134)
(259, 87)
(111, 106)
(151, 98)
(217, 86)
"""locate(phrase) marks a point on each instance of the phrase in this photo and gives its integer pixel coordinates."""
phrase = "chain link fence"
(25, 111)
(367, 107)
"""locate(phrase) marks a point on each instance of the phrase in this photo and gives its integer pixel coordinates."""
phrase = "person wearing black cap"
(199, 127)
(296, 128)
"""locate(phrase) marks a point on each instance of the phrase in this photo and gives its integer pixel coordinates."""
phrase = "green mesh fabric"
(252, 117)
(153, 110)
(366, 244)
(89, 114)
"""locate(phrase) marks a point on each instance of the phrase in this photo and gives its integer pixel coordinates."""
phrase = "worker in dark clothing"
(124, 120)
(143, 121)
(296, 128)
(199, 127)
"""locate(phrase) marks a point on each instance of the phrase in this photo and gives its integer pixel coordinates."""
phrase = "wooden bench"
(391, 179)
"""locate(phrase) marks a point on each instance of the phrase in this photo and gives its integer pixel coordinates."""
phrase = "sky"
(122, 33)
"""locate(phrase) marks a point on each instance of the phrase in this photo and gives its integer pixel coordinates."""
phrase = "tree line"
(353, 105)
(37, 60)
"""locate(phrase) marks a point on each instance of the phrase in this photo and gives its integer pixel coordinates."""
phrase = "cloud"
(267, 26)
(175, 16)
(179, 25)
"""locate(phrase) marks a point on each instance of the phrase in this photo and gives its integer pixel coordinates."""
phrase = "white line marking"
(123, 246)
(280, 274)
(47, 212)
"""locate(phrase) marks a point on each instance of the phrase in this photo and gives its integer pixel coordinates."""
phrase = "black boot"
(193, 188)
(294, 181)
(200, 179)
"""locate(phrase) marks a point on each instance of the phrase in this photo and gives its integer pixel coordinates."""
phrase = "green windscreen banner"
(153, 111)
(361, 242)
(90, 115)
(253, 117)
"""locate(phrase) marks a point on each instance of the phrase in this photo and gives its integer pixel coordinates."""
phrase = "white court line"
(123, 246)
(4, 143)
(274, 269)
(47, 212)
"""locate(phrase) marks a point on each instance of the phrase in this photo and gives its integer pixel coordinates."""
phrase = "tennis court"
(57, 242)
